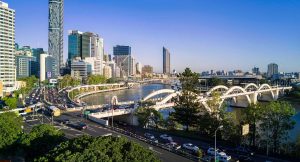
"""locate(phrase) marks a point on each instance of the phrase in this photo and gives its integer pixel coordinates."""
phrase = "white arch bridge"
(235, 96)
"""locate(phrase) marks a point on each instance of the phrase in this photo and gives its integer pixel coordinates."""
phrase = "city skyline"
(205, 33)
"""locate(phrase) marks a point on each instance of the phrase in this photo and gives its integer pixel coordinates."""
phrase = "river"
(138, 93)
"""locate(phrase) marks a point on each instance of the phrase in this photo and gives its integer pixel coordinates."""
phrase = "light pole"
(220, 127)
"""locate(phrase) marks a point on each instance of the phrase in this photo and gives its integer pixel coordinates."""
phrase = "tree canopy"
(10, 126)
(90, 149)
(68, 80)
(148, 116)
(96, 79)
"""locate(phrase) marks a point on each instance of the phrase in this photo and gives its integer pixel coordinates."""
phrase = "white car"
(173, 145)
(166, 137)
(190, 147)
(223, 157)
(211, 151)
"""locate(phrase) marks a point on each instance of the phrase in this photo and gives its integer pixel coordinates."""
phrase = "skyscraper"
(123, 59)
(7, 48)
(272, 69)
(166, 61)
(74, 45)
(55, 33)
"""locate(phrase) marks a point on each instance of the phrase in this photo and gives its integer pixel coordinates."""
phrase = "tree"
(10, 126)
(68, 80)
(11, 102)
(297, 147)
(40, 140)
(189, 81)
(187, 107)
(252, 115)
(106, 149)
(214, 81)
(149, 116)
(96, 79)
(276, 122)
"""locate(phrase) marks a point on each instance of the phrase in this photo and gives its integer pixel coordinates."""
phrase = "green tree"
(252, 115)
(96, 79)
(187, 107)
(40, 140)
(214, 81)
(148, 115)
(11, 128)
(106, 149)
(11, 102)
(276, 122)
(189, 81)
(68, 80)
(297, 147)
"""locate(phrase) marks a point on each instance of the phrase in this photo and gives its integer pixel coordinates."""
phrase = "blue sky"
(200, 34)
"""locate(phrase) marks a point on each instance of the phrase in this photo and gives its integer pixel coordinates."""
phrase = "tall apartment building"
(166, 61)
(272, 69)
(55, 32)
(7, 47)
(25, 66)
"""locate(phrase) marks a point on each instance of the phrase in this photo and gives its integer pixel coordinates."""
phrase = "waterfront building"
(74, 45)
(80, 69)
(123, 59)
(117, 72)
(92, 45)
(25, 66)
(7, 48)
(55, 33)
(96, 65)
(166, 61)
(113, 68)
(133, 66)
(272, 70)
(107, 72)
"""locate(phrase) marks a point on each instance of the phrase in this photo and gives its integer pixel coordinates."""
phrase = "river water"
(137, 93)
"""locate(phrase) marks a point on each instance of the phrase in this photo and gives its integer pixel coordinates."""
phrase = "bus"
(54, 111)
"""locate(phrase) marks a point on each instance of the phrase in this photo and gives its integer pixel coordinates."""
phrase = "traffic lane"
(97, 130)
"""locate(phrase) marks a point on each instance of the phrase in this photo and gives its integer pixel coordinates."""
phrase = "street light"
(220, 127)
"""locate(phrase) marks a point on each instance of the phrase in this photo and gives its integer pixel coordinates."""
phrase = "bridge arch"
(251, 85)
(234, 93)
(266, 87)
(219, 87)
(155, 93)
(168, 98)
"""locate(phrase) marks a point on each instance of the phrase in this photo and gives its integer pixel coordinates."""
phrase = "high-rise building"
(92, 45)
(107, 72)
(123, 59)
(139, 67)
(25, 66)
(132, 67)
(272, 69)
(55, 33)
(79, 69)
(256, 71)
(166, 61)
(7, 48)
(74, 45)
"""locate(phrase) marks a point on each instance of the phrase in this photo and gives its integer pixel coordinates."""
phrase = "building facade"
(25, 66)
(272, 70)
(55, 33)
(7, 48)
(74, 45)
(123, 59)
(166, 61)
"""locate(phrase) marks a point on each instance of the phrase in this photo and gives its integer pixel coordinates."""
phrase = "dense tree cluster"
(90, 149)
(147, 116)
(96, 79)
(68, 80)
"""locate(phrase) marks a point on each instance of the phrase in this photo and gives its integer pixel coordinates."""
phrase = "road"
(97, 130)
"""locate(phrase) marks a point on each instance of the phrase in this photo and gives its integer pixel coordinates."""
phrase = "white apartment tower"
(7, 47)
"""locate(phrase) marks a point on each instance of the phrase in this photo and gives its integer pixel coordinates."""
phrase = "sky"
(200, 34)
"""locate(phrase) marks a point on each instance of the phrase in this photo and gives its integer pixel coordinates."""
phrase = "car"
(191, 147)
(244, 158)
(79, 125)
(173, 145)
(211, 151)
(151, 137)
(243, 151)
(166, 137)
(223, 157)
(63, 121)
